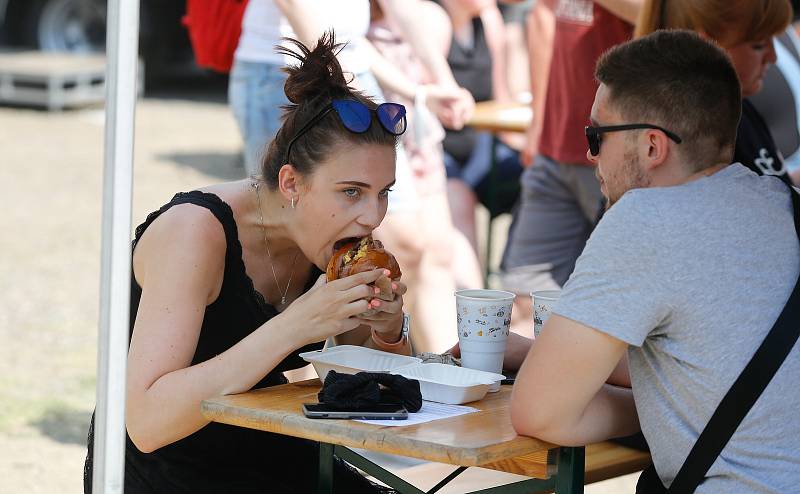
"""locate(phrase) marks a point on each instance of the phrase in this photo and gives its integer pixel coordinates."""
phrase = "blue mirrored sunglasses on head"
(357, 117)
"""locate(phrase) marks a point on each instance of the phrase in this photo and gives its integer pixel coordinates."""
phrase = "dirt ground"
(51, 167)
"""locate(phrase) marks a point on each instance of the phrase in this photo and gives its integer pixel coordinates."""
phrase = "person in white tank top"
(264, 25)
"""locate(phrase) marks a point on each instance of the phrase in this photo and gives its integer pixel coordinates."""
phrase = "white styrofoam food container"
(449, 384)
(350, 359)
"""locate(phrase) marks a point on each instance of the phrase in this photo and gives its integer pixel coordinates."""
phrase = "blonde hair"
(728, 22)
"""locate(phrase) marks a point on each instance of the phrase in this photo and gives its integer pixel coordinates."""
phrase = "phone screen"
(380, 411)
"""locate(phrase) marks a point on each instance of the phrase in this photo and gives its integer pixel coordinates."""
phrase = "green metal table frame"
(567, 479)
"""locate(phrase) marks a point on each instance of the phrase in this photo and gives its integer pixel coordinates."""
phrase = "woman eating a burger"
(229, 286)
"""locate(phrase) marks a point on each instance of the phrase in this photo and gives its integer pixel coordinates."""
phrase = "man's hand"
(516, 350)
(531, 147)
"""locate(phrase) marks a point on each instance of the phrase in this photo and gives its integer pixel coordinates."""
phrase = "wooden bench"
(607, 460)
(604, 460)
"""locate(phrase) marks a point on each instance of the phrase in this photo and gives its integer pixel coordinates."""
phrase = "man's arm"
(560, 393)
(621, 375)
(627, 10)
(541, 26)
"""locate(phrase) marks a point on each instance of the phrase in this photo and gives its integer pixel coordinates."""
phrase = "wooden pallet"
(52, 80)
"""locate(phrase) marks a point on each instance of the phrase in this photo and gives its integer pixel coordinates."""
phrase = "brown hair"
(675, 79)
(310, 87)
(728, 22)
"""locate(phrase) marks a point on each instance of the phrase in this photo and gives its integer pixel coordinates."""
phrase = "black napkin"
(365, 388)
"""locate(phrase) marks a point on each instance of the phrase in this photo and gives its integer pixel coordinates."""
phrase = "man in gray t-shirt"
(686, 273)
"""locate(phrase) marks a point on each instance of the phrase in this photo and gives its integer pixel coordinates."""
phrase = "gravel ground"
(51, 170)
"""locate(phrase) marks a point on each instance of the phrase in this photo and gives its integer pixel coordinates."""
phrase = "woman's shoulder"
(187, 232)
(208, 213)
(190, 230)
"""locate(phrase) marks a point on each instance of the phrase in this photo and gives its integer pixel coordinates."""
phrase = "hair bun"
(319, 72)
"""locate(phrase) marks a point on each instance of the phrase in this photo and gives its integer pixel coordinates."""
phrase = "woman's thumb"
(320, 281)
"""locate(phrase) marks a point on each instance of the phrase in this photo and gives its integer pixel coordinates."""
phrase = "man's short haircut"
(681, 82)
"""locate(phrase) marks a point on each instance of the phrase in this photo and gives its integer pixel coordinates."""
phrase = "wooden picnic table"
(494, 116)
(484, 438)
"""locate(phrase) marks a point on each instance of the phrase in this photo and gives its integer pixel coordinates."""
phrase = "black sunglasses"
(593, 134)
(357, 117)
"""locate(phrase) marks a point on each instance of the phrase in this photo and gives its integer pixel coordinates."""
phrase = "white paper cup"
(543, 301)
(484, 318)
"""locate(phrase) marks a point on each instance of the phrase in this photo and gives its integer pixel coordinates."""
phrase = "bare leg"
(436, 311)
(522, 316)
(465, 265)
(399, 232)
(462, 208)
(425, 245)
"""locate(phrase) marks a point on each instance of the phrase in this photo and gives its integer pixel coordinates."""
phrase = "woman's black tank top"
(222, 458)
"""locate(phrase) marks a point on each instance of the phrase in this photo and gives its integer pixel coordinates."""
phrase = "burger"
(353, 256)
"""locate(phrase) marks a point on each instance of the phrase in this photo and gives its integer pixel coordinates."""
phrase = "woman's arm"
(179, 263)
(164, 390)
(405, 15)
(495, 31)
(303, 19)
(627, 10)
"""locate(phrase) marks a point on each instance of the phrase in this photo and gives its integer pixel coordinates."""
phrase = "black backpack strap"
(744, 392)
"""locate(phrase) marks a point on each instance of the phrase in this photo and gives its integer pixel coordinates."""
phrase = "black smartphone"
(378, 411)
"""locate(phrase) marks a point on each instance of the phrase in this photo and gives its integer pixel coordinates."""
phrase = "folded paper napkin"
(364, 388)
(436, 358)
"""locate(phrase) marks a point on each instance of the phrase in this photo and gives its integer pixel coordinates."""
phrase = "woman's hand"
(329, 309)
(453, 106)
(386, 317)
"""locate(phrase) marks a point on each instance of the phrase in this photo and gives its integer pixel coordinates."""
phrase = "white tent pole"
(122, 43)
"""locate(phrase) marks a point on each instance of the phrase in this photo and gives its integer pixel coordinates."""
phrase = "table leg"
(325, 483)
(571, 464)
(491, 203)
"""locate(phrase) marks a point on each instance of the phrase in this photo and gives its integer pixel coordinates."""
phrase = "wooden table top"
(501, 117)
(474, 439)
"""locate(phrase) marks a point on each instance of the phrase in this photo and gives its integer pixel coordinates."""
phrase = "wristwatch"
(385, 345)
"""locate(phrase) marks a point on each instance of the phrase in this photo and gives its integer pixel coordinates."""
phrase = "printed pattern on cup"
(487, 321)
(543, 302)
(541, 312)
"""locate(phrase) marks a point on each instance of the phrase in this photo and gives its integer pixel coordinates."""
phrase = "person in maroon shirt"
(560, 197)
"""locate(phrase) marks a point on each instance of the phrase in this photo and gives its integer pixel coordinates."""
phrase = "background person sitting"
(745, 29)
(779, 101)
(476, 54)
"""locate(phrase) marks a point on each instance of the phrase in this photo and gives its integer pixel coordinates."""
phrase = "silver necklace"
(269, 254)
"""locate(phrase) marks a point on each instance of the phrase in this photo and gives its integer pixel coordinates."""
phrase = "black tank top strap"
(234, 265)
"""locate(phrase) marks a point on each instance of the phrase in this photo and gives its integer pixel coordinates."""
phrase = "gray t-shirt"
(693, 277)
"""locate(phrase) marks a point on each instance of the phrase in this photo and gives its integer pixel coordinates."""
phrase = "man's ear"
(656, 146)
